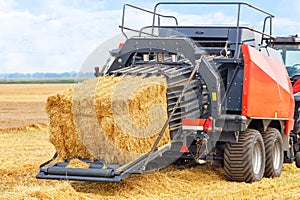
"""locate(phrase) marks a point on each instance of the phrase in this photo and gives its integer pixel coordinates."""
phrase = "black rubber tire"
(244, 161)
(297, 159)
(274, 152)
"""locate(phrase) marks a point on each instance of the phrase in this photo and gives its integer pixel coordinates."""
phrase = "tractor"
(290, 49)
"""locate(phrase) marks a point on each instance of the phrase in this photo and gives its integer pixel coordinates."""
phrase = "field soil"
(23, 105)
(22, 150)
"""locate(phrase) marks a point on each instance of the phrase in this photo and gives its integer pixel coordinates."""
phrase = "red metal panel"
(267, 91)
(193, 122)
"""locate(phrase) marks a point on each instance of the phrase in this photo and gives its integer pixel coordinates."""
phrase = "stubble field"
(22, 105)
(24, 145)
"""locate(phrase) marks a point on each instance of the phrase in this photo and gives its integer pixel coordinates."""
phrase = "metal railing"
(144, 10)
(265, 36)
(238, 4)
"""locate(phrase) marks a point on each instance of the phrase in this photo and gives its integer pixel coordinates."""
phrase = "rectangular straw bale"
(129, 114)
(63, 134)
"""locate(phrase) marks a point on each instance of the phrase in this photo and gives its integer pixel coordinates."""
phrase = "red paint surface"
(267, 91)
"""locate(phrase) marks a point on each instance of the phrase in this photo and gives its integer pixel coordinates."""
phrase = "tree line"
(46, 75)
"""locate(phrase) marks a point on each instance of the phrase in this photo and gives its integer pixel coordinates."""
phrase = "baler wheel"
(274, 152)
(298, 159)
(244, 161)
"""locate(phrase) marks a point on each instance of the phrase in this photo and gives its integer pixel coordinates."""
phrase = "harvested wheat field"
(23, 105)
(22, 151)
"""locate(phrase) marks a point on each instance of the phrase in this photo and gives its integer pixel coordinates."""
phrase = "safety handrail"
(144, 10)
(269, 15)
(209, 3)
(264, 27)
(140, 32)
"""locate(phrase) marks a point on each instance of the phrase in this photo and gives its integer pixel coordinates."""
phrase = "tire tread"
(238, 157)
(269, 136)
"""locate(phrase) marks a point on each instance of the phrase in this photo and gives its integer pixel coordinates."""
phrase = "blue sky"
(58, 35)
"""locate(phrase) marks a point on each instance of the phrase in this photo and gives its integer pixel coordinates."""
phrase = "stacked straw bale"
(62, 129)
(116, 119)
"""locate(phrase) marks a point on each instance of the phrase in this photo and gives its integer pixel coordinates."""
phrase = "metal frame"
(113, 173)
(239, 4)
